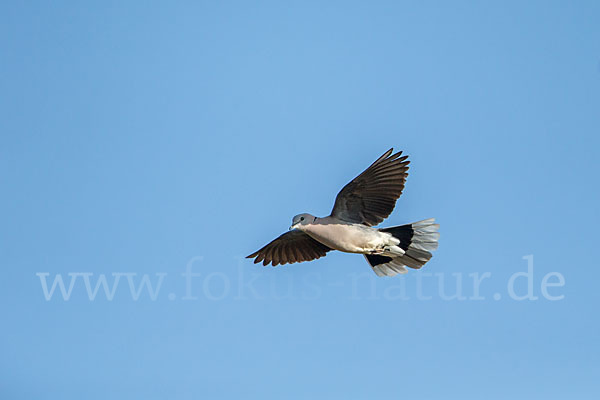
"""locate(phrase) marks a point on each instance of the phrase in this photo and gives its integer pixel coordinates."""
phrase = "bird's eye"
(301, 218)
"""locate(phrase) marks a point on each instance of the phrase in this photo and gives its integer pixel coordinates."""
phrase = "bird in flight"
(363, 203)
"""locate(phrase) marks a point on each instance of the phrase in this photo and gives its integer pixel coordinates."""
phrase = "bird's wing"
(291, 247)
(370, 197)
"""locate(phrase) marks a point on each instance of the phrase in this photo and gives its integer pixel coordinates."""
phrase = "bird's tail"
(416, 240)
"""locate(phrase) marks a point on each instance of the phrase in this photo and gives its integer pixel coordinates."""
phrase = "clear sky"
(154, 138)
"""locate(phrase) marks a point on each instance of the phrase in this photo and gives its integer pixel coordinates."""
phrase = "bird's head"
(302, 219)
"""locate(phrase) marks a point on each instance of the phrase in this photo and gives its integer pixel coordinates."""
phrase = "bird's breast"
(350, 238)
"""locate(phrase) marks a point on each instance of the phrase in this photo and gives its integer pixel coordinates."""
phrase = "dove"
(361, 205)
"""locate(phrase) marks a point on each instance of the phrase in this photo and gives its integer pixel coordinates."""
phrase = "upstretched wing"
(370, 197)
(291, 247)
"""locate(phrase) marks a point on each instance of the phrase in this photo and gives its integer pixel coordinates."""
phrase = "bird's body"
(364, 202)
(347, 236)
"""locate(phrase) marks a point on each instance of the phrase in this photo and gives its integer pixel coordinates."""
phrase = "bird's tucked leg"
(393, 251)
(378, 250)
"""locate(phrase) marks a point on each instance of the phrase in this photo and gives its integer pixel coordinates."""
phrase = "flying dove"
(363, 203)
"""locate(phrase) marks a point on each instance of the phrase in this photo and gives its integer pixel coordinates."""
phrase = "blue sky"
(150, 138)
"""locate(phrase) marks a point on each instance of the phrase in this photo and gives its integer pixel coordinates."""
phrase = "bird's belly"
(348, 238)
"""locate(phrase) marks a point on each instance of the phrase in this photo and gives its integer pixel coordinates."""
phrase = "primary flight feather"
(363, 203)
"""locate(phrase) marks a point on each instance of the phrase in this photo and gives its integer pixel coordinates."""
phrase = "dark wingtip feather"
(396, 155)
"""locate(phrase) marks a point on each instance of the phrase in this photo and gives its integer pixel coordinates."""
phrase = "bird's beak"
(293, 226)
